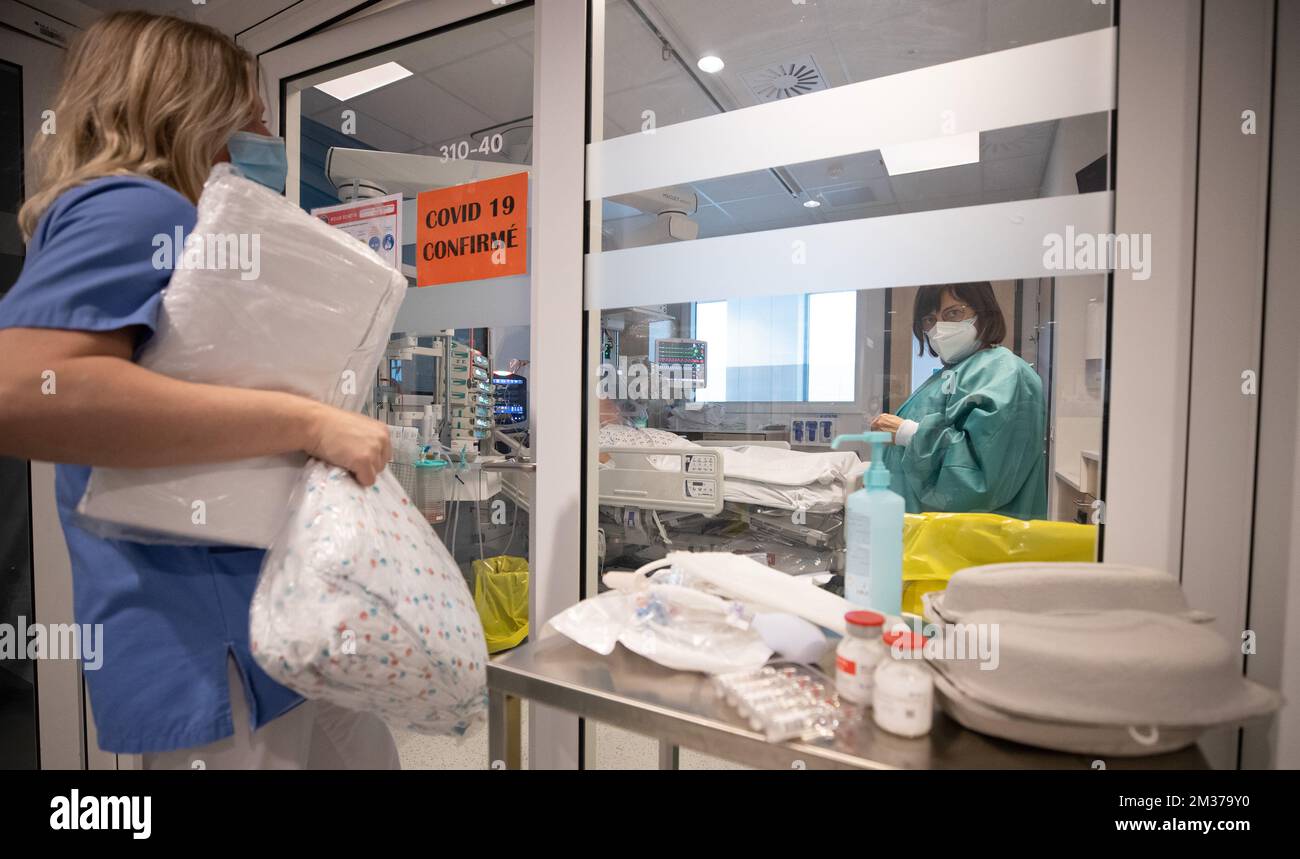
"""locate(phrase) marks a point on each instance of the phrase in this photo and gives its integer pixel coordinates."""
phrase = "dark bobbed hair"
(990, 324)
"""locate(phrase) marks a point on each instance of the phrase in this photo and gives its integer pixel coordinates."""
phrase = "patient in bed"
(616, 432)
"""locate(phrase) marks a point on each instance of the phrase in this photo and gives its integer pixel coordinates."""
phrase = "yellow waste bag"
(936, 545)
(501, 597)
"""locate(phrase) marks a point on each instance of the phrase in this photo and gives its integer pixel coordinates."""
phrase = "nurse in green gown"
(971, 438)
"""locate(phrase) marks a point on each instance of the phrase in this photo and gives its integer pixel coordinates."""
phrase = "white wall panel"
(1002, 241)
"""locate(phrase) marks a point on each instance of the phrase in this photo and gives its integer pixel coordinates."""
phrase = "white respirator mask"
(954, 340)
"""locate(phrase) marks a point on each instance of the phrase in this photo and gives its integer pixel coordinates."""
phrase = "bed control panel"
(701, 463)
(702, 489)
(679, 480)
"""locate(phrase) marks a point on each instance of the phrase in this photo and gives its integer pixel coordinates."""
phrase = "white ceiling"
(465, 80)
(850, 41)
(180, 8)
(479, 76)
(229, 16)
(1011, 167)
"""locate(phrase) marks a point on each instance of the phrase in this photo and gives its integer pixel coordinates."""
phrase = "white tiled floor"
(615, 749)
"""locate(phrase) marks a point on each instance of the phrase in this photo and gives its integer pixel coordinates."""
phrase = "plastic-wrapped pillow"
(360, 604)
(267, 297)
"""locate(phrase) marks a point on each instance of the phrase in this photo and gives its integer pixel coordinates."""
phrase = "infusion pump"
(439, 381)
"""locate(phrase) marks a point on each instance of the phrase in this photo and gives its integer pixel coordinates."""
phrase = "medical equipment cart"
(679, 709)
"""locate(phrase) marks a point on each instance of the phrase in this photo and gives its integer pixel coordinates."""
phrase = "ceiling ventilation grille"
(785, 80)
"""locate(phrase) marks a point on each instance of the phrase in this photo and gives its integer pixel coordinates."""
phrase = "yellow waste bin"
(501, 597)
(936, 545)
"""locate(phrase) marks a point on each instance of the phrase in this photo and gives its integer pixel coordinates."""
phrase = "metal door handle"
(508, 465)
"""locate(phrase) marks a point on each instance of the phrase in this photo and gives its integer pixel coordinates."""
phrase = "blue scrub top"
(171, 615)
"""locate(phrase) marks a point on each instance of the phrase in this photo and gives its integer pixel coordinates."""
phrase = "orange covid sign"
(472, 231)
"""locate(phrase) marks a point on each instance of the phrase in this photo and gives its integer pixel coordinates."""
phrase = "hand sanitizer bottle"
(873, 574)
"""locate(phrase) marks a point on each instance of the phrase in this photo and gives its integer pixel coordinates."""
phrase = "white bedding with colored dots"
(360, 604)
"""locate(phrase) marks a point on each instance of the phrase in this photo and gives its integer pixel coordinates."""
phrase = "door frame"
(555, 396)
(65, 730)
(1213, 503)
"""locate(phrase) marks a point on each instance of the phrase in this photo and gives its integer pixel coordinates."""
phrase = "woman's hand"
(349, 440)
(886, 423)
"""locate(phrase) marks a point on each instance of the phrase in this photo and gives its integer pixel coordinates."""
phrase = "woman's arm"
(75, 396)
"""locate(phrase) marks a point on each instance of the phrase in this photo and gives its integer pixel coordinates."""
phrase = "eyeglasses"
(955, 313)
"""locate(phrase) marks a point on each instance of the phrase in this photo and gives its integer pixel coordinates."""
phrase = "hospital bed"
(657, 499)
(649, 504)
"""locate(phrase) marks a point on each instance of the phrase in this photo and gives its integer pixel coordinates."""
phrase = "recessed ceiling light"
(811, 204)
(353, 85)
(711, 64)
(933, 154)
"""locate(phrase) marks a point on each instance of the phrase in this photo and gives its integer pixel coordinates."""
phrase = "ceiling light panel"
(359, 83)
(936, 153)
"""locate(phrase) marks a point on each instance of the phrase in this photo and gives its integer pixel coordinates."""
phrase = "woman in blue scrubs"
(147, 105)
(971, 438)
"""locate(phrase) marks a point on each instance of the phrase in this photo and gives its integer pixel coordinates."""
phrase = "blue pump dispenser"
(873, 573)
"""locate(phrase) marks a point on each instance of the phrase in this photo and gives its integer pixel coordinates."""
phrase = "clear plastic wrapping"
(360, 604)
(674, 625)
(264, 296)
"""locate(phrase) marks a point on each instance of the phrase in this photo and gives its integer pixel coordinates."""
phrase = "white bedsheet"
(778, 466)
(817, 498)
(755, 474)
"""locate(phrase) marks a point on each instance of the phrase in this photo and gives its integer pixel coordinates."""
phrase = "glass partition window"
(861, 215)
(793, 349)
(446, 112)
(1001, 165)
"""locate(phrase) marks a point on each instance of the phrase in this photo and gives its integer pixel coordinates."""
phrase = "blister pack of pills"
(785, 701)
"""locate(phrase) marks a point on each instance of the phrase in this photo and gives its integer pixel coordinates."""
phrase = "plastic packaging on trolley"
(360, 604)
(263, 296)
(669, 623)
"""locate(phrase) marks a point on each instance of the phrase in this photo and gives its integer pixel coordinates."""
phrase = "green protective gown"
(980, 444)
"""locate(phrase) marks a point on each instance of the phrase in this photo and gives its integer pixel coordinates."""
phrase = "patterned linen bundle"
(360, 604)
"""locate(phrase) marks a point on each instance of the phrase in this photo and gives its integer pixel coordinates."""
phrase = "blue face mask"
(260, 158)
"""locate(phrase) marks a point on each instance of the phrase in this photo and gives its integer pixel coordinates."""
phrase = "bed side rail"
(686, 479)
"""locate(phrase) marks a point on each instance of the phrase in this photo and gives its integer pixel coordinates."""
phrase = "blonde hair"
(143, 94)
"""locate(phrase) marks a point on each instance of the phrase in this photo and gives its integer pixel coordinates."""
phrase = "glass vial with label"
(857, 655)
